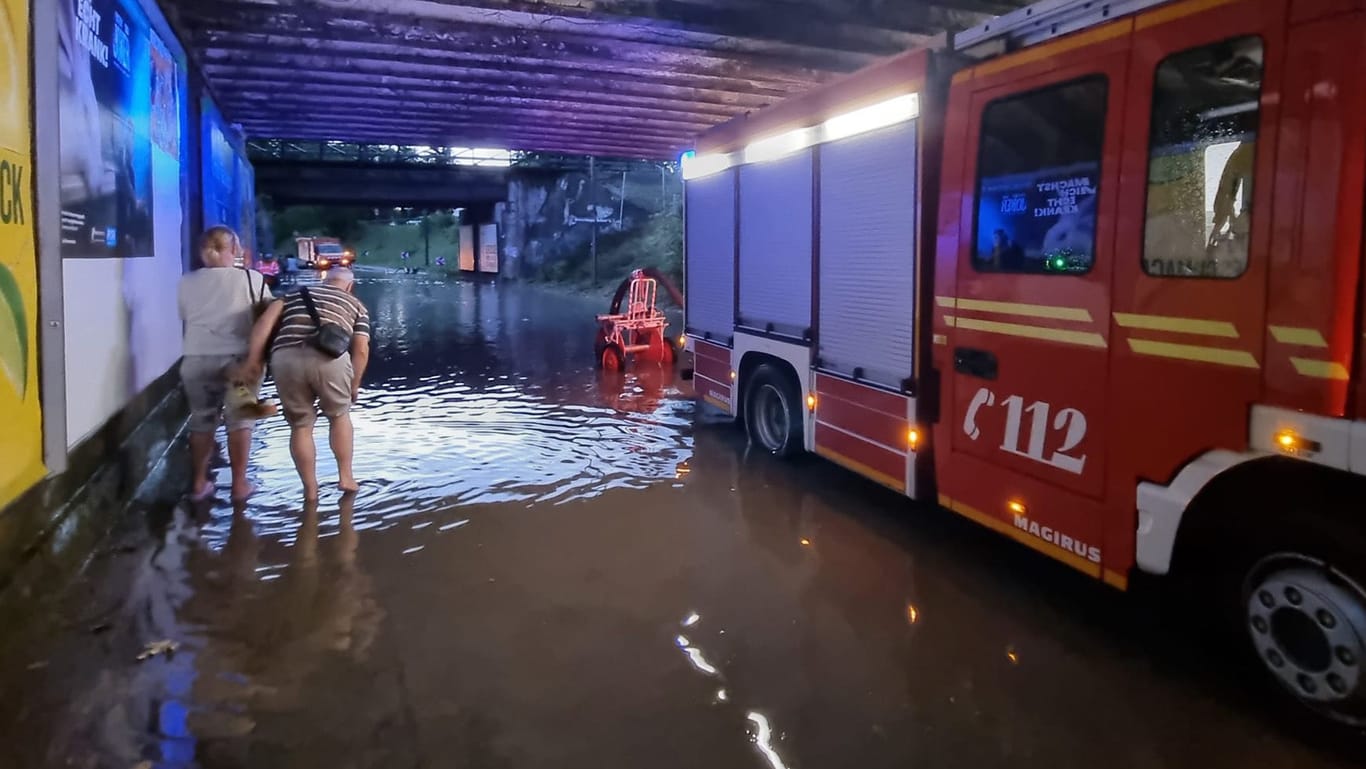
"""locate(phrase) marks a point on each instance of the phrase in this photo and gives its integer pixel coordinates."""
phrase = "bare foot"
(310, 493)
(201, 490)
(241, 493)
(348, 484)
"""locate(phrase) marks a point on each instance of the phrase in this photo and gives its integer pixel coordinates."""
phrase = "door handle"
(974, 362)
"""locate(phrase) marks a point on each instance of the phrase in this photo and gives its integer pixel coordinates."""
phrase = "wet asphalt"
(549, 567)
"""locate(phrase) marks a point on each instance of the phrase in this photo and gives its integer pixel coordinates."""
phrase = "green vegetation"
(361, 230)
(385, 242)
(658, 243)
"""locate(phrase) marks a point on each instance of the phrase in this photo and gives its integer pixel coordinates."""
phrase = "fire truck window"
(1200, 160)
(1038, 171)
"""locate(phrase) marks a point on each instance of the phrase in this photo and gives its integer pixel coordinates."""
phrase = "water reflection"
(550, 568)
(468, 401)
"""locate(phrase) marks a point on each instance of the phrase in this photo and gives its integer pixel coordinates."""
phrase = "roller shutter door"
(867, 265)
(775, 244)
(711, 256)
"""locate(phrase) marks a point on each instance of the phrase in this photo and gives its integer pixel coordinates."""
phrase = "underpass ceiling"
(634, 78)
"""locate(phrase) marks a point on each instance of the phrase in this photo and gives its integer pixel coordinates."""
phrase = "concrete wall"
(113, 122)
(548, 218)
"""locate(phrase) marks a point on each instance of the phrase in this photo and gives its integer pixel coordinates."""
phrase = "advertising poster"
(467, 248)
(244, 182)
(21, 440)
(488, 248)
(229, 184)
(105, 86)
(1042, 221)
(220, 166)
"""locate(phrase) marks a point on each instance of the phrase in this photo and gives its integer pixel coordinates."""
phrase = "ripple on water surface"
(472, 399)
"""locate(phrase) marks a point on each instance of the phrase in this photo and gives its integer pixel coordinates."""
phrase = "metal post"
(621, 215)
(427, 240)
(593, 204)
(46, 209)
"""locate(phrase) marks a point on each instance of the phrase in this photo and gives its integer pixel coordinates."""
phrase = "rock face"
(547, 220)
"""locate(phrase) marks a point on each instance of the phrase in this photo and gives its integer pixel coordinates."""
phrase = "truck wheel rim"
(1308, 626)
(770, 417)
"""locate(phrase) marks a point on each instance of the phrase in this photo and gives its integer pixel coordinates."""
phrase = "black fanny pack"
(331, 338)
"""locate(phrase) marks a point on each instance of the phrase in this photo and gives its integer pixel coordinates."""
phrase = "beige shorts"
(206, 388)
(306, 378)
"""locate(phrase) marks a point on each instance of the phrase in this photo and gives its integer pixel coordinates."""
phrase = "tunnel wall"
(101, 178)
(546, 222)
(21, 442)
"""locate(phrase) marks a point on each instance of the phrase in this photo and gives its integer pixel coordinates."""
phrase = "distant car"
(321, 253)
(269, 266)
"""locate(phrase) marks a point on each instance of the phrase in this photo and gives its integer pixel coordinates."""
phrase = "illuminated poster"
(220, 166)
(467, 248)
(229, 185)
(106, 145)
(1042, 221)
(488, 248)
(21, 440)
(245, 187)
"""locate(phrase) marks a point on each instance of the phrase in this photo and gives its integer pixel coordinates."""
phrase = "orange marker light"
(811, 403)
(806, 542)
(682, 341)
(1286, 440)
(913, 438)
(912, 615)
(1017, 507)
(732, 375)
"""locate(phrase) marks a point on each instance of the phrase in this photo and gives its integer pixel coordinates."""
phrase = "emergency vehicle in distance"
(1090, 275)
(320, 253)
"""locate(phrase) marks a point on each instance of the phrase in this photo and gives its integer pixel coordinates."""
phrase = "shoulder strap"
(255, 296)
(312, 309)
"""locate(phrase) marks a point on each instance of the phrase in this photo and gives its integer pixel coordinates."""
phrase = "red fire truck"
(1090, 275)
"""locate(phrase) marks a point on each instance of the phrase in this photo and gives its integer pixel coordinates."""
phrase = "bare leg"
(202, 446)
(305, 455)
(342, 437)
(239, 449)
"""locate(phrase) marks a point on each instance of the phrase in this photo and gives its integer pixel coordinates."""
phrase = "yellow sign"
(21, 440)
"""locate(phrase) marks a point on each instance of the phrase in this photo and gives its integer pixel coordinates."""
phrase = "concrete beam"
(459, 23)
(571, 146)
(521, 85)
(672, 124)
(530, 125)
(287, 63)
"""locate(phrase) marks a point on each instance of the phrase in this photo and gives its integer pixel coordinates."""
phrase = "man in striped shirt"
(307, 379)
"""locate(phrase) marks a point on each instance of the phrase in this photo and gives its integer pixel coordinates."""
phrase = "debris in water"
(156, 648)
(39, 665)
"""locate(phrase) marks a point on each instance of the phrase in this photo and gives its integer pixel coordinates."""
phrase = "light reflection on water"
(470, 400)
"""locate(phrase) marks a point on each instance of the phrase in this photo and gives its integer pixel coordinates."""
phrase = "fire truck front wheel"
(772, 415)
(1305, 616)
(1283, 557)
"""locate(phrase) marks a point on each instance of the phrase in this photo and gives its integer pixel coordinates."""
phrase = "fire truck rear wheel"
(773, 418)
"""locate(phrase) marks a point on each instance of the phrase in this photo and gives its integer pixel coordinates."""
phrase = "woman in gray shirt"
(217, 305)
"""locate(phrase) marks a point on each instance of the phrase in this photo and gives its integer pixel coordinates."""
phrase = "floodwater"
(546, 567)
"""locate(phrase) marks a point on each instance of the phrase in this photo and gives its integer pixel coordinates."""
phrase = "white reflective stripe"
(864, 438)
(711, 254)
(867, 262)
(775, 242)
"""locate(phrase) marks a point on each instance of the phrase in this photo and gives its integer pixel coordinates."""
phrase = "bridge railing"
(313, 151)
